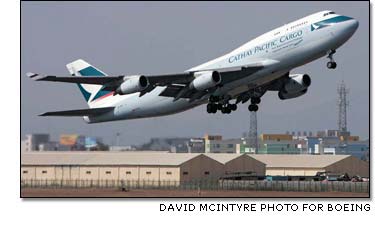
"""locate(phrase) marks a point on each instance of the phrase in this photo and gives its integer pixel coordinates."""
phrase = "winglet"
(35, 76)
(31, 74)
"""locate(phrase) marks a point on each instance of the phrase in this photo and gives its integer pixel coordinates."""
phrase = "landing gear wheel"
(233, 107)
(226, 110)
(219, 106)
(211, 108)
(331, 65)
(253, 107)
(255, 100)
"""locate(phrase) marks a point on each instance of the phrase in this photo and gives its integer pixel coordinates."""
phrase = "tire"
(255, 100)
(214, 109)
(253, 107)
(233, 107)
(209, 108)
(331, 65)
(334, 65)
(250, 107)
(219, 106)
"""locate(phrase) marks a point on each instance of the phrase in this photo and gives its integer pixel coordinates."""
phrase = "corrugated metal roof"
(299, 161)
(105, 158)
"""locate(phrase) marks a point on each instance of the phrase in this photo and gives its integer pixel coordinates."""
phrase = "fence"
(297, 186)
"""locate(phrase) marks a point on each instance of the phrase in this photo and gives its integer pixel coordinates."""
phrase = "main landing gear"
(253, 106)
(227, 108)
(214, 105)
(331, 64)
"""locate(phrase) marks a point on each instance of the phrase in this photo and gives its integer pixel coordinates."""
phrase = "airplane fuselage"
(279, 51)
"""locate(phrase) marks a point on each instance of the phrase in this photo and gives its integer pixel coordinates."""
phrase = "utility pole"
(253, 132)
(342, 103)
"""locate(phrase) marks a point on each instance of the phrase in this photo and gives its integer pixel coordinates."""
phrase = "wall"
(293, 171)
(351, 165)
(244, 163)
(201, 168)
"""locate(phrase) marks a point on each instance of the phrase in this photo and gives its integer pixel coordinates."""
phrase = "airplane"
(246, 73)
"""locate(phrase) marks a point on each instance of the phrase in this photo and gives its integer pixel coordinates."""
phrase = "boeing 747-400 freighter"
(246, 73)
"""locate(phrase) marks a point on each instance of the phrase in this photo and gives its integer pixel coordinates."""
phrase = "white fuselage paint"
(279, 50)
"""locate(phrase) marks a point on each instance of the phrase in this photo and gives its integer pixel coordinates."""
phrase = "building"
(175, 145)
(216, 144)
(156, 168)
(239, 163)
(196, 145)
(72, 142)
(132, 166)
(309, 165)
(33, 141)
(135, 166)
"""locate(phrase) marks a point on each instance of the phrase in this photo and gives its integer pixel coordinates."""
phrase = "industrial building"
(216, 144)
(239, 163)
(179, 167)
(132, 166)
(309, 165)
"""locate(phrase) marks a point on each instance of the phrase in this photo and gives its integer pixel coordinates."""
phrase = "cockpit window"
(331, 12)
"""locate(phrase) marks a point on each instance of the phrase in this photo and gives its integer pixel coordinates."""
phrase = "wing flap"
(81, 112)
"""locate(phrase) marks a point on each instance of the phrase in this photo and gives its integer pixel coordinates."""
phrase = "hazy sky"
(152, 38)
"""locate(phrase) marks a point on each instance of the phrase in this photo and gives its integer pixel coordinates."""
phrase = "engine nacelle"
(205, 80)
(132, 84)
(287, 95)
(297, 83)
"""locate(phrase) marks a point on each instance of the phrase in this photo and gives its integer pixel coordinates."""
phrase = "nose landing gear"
(331, 64)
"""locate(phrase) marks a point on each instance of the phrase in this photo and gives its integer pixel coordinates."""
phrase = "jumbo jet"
(246, 73)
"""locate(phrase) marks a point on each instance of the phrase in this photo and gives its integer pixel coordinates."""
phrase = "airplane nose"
(353, 25)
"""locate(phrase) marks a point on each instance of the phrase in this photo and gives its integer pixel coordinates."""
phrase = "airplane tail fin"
(82, 68)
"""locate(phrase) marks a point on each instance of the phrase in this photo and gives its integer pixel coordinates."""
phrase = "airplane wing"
(82, 112)
(177, 84)
(156, 80)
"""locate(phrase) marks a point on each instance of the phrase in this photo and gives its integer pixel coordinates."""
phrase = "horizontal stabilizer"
(82, 112)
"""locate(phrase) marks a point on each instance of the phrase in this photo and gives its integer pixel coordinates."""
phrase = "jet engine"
(286, 95)
(132, 84)
(205, 80)
(295, 86)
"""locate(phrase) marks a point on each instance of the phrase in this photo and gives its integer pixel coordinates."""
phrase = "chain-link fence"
(296, 186)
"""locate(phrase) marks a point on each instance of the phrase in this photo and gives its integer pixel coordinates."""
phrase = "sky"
(125, 38)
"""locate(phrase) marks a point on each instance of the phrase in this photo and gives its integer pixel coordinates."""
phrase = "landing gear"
(216, 103)
(253, 107)
(255, 100)
(331, 64)
(212, 108)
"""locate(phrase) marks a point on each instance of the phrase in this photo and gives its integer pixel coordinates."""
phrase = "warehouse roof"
(105, 158)
(169, 159)
(222, 157)
(299, 161)
(227, 157)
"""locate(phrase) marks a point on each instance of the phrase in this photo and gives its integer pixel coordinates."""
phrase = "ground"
(43, 192)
